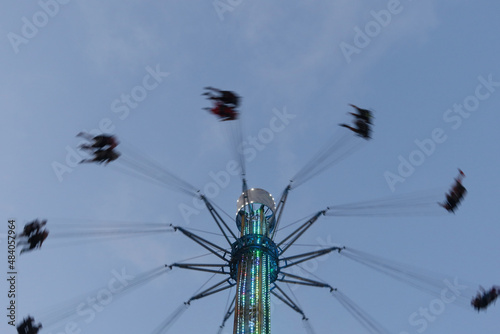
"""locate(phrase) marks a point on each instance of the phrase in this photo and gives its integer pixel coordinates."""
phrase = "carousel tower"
(254, 264)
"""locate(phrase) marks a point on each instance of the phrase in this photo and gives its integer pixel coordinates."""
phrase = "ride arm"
(213, 289)
(204, 243)
(280, 207)
(308, 256)
(203, 267)
(228, 314)
(303, 281)
(287, 300)
(298, 232)
(218, 219)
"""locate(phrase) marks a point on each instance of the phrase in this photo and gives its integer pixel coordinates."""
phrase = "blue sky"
(415, 63)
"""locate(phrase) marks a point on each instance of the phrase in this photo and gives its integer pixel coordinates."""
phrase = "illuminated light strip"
(254, 272)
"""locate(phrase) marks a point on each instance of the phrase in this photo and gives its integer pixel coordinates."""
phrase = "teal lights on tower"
(254, 262)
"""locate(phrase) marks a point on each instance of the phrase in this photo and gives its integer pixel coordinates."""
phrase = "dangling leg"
(85, 135)
(349, 127)
(23, 241)
(210, 92)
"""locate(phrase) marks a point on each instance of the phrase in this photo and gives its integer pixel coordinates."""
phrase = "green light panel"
(253, 305)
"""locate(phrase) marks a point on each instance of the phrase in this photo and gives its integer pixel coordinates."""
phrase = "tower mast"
(254, 264)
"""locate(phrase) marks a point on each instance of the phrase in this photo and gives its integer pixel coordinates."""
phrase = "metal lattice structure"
(255, 264)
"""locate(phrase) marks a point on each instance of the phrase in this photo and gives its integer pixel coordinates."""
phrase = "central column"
(254, 262)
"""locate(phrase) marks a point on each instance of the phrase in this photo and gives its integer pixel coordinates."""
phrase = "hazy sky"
(428, 69)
